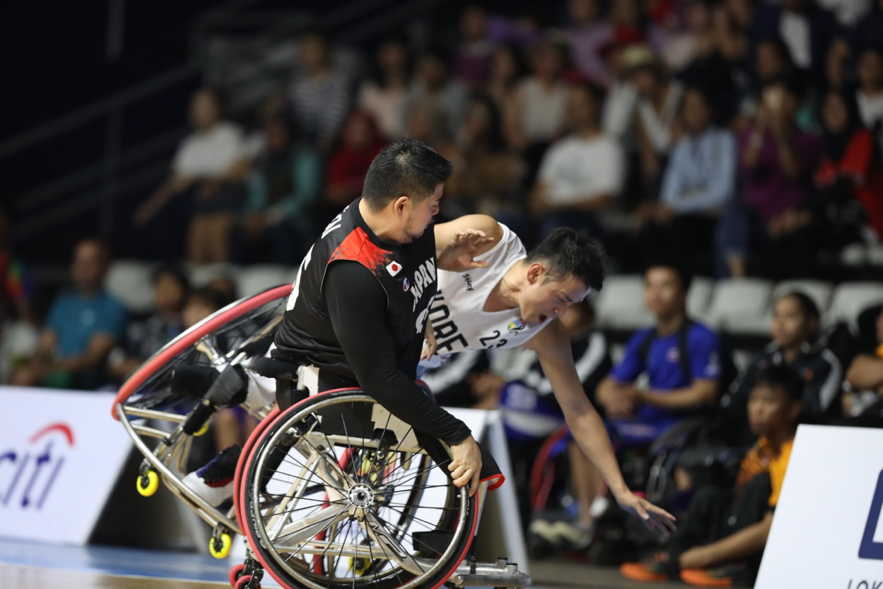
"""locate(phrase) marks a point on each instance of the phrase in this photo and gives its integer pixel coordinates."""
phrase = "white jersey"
(457, 314)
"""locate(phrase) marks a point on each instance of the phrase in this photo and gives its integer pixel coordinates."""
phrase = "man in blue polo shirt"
(676, 384)
(82, 327)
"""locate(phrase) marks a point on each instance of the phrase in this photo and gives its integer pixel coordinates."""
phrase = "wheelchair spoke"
(310, 527)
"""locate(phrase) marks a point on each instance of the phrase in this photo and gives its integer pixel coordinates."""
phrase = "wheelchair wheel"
(337, 493)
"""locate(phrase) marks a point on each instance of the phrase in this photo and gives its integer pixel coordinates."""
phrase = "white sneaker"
(214, 481)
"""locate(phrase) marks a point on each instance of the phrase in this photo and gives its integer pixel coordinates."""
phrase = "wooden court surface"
(13, 576)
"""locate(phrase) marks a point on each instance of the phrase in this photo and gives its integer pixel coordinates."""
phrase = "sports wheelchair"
(330, 491)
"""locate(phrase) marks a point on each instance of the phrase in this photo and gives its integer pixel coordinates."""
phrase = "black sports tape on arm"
(357, 307)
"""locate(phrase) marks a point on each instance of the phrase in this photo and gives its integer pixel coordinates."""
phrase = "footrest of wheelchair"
(482, 574)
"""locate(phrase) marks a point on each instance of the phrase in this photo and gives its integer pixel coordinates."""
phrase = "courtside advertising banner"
(60, 455)
(827, 531)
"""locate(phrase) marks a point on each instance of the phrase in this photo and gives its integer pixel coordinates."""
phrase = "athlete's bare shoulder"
(445, 232)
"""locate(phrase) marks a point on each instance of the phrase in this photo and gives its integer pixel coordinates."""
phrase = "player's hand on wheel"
(656, 519)
(465, 466)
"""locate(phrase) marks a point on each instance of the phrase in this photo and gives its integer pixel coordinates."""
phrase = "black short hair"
(780, 376)
(807, 306)
(685, 277)
(210, 297)
(569, 252)
(174, 270)
(404, 168)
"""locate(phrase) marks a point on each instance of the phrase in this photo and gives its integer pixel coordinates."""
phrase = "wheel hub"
(361, 495)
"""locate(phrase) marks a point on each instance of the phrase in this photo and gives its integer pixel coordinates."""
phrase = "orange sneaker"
(707, 577)
(653, 568)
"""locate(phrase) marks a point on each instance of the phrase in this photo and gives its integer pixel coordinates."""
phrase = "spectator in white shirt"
(383, 95)
(210, 166)
(581, 174)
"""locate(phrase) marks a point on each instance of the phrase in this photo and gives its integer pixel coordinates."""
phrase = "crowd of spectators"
(739, 137)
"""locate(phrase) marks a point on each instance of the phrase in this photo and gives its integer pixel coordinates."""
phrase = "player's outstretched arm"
(458, 242)
(552, 346)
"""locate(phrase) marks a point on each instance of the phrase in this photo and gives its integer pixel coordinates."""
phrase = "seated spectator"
(283, 188)
(628, 18)
(681, 47)
(619, 105)
(82, 327)
(145, 338)
(538, 107)
(806, 29)
(681, 358)
(588, 35)
(864, 378)
(226, 286)
(383, 94)
(427, 123)
(320, 95)
(472, 63)
(870, 92)
(209, 166)
(360, 143)
(849, 179)
(582, 174)
(659, 100)
(722, 535)
(434, 85)
(506, 71)
(17, 285)
(776, 159)
(698, 182)
(796, 344)
(486, 172)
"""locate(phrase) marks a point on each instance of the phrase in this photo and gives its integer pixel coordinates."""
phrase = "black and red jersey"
(406, 272)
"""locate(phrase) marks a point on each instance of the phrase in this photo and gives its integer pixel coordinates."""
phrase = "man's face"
(583, 110)
(771, 410)
(89, 266)
(418, 218)
(663, 293)
(545, 298)
(790, 326)
(696, 115)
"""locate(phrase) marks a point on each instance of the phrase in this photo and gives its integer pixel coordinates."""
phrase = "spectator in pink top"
(588, 36)
(776, 159)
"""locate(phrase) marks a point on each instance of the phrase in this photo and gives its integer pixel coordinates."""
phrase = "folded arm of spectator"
(701, 392)
(746, 542)
(865, 373)
(720, 179)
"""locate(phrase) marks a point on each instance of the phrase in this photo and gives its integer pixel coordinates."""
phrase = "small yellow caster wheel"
(220, 547)
(201, 430)
(148, 483)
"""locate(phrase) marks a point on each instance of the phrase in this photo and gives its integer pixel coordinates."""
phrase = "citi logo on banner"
(28, 474)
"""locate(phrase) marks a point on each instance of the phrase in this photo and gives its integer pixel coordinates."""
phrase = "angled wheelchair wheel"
(337, 493)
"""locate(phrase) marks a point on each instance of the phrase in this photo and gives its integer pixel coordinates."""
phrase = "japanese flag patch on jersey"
(394, 268)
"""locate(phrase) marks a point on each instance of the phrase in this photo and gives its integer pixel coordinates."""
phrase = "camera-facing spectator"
(320, 95)
(209, 166)
(433, 84)
(588, 35)
(283, 188)
(582, 174)
(145, 338)
(473, 60)
(776, 160)
(384, 93)
(698, 182)
(849, 179)
(360, 142)
(870, 92)
(82, 327)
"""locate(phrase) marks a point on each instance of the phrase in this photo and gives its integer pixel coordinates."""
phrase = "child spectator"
(82, 328)
(283, 188)
(722, 535)
(849, 178)
(145, 338)
(383, 95)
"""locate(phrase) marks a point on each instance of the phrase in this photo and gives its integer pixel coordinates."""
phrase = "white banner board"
(827, 530)
(60, 455)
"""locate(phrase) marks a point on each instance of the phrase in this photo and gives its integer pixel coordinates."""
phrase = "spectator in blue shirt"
(638, 414)
(699, 179)
(81, 329)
